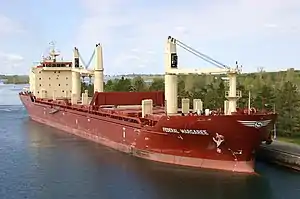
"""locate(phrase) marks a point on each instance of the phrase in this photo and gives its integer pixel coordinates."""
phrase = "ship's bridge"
(57, 64)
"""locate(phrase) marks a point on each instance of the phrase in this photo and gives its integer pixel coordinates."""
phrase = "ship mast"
(53, 54)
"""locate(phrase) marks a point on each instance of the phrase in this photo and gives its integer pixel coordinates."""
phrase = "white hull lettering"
(185, 131)
(169, 130)
(197, 132)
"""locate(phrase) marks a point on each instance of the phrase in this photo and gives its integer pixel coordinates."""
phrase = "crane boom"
(211, 71)
(171, 72)
(198, 54)
(86, 66)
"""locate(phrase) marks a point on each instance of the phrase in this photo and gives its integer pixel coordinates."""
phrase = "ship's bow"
(218, 142)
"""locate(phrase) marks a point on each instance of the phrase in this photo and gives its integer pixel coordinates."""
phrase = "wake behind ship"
(149, 125)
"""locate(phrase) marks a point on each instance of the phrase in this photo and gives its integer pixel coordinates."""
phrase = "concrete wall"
(286, 156)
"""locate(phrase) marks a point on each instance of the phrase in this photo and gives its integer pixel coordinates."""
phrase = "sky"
(133, 33)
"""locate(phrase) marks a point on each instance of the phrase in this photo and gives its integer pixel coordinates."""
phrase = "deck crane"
(97, 71)
(172, 70)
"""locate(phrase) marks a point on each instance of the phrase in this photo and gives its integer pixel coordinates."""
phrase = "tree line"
(14, 79)
(272, 91)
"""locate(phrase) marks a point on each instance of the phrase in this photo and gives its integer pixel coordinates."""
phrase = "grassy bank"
(294, 140)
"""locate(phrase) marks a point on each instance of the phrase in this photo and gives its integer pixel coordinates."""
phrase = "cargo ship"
(150, 125)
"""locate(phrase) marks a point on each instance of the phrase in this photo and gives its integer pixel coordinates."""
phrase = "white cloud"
(133, 34)
(11, 57)
(10, 63)
(8, 26)
(270, 25)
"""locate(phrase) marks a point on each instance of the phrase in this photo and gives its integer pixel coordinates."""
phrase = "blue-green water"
(39, 162)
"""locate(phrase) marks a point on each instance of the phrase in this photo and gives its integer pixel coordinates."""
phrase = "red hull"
(167, 141)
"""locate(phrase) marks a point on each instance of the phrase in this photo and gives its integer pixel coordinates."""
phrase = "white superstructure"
(54, 79)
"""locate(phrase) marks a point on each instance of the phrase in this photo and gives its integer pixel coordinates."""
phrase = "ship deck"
(129, 113)
(136, 111)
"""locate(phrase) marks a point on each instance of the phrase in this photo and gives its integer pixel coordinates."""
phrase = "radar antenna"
(53, 53)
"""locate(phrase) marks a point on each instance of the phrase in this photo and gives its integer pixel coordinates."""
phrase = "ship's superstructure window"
(42, 78)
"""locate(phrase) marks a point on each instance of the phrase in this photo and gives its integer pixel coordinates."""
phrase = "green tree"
(265, 98)
(89, 87)
(139, 84)
(15, 79)
(182, 93)
(289, 109)
(211, 97)
(220, 94)
(109, 85)
(122, 84)
(158, 84)
(244, 100)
